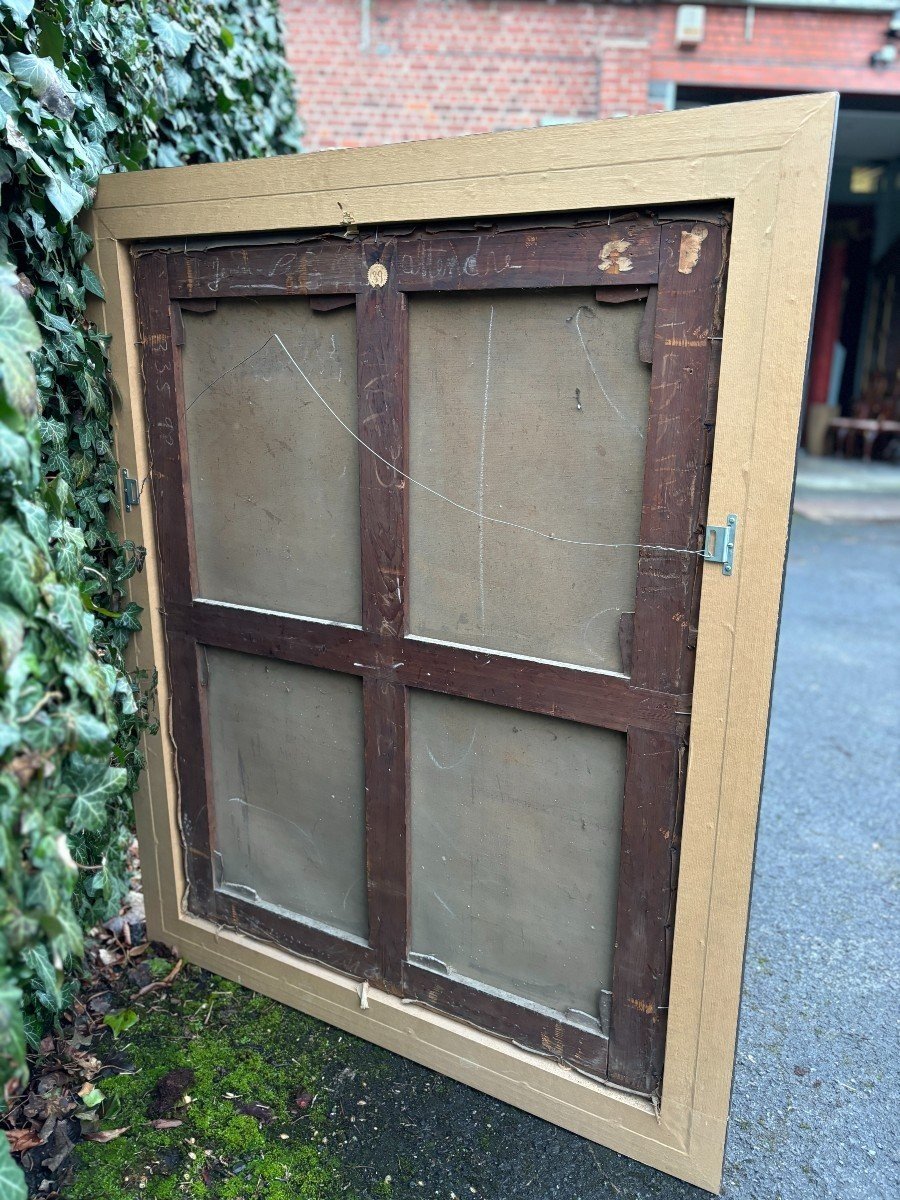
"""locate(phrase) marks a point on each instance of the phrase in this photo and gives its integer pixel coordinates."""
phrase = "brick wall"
(435, 68)
(789, 51)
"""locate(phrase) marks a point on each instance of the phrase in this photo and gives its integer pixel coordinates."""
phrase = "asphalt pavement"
(815, 1110)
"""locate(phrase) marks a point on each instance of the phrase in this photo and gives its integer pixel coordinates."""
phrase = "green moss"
(243, 1049)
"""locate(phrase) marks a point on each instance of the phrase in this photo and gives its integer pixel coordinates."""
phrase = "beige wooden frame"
(772, 158)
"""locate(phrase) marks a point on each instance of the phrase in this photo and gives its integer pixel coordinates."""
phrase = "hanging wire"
(481, 516)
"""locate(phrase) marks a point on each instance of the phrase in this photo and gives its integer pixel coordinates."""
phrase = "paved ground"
(847, 489)
(815, 1107)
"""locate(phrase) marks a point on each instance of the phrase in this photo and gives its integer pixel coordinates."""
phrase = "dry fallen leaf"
(261, 1112)
(22, 1139)
(87, 1064)
(161, 983)
(106, 1135)
(165, 1123)
(24, 766)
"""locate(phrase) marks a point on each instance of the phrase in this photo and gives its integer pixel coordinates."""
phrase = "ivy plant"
(86, 86)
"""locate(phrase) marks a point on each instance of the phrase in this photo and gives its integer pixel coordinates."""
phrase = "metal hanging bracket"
(130, 491)
(718, 545)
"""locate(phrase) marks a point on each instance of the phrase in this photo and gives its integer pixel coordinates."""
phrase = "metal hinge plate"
(130, 491)
(718, 545)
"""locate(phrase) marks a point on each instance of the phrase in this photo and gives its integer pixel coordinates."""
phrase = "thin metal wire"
(481, 516)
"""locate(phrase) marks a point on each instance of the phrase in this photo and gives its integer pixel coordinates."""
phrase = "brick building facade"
(374, 71)
(392, 70)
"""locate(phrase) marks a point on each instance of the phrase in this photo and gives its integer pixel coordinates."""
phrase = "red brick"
(440, 67)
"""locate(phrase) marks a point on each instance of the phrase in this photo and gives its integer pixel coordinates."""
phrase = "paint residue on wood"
(689, 252)
(614, 258)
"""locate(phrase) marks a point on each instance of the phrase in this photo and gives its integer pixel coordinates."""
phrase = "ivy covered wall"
(86, 86)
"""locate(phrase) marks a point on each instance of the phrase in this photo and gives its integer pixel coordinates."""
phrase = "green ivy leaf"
(67, 554)
(85, 673)
(19, 337)
(46, 977)
(52, 41)
(53, 433)
(67, 202)
(90, 732)
(69, 934)
(45, 83)
(91, 282)
(12, 1032)
(86, 88)
(21, 11)
(129, 618)
(15, 453)
(118, 1022)
(168, 156)
(12, 633)
(94, 784)
(173, 38)
(67, 614)
(12, 1181)
(18, 564)
(59, 496)
(125, 693)
(36, 521)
